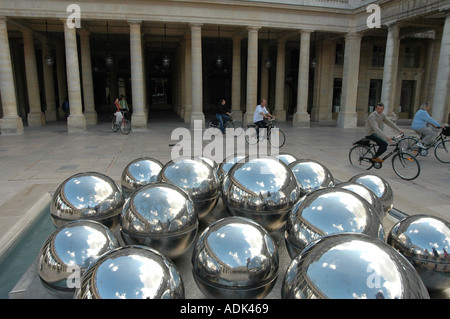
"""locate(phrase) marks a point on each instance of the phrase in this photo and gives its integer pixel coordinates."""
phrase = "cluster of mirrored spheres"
(123, 240)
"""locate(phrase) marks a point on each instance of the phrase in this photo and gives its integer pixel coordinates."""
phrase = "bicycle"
(124, 125)
(404, 164)
(441, 144)
(275, 136)
(231, 123)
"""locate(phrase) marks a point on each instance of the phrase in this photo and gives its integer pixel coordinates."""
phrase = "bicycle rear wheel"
(409, 145)
(442, 151)
(361, 156)
(251, 136)
(236, 127)
(125, 126)
(406, 166)
(277, 137)
(114, 126)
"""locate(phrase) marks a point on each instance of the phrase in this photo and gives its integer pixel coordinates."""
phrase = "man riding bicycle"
(374, 132)
(260, 114)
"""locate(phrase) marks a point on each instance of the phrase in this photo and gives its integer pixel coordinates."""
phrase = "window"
(374, 93)
(339, 57)
(378, 55)
(412, 57)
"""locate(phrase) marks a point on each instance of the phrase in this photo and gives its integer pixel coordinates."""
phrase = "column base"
(237, 115)
(91, 118)
(50, 115)
(280, 115)
(76, 123)
(11, 126)
(139, 121)
(187, 116)
(347, 120)
(36, 119)
(248, 119)
(301, 120)
(197, 116)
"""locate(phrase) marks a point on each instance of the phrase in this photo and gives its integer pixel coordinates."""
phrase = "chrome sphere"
(263, 189)
(286, 158)
(425, 241)
(69, 250)
(140, 172)
(330, 211)
(365, 193)
(351, 266)
(379, 186)
(235, 258)
(227, 164)
(160, 216)
(90, 195)
(195, 177)
(131, 272)
(311, 175)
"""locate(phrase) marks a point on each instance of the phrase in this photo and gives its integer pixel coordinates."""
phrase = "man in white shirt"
(260, 114)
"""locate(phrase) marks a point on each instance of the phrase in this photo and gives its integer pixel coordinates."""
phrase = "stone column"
(347, 117)
(236, 79)
(301, 117)
(390, 69)
(279, 111)
(61, 78)
(264, 73)
(49, 84)
(10, 123)
(86, 73)
(188, 77)
(197, 75)
(138, 120)
(441, 100)
(76, 121)
(252, 74)
(182, 99)
(35, 117)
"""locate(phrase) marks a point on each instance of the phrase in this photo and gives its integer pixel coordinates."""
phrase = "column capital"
(134, 22)
(353, 35)
(195, 25)
(305, 31)
(253, 28)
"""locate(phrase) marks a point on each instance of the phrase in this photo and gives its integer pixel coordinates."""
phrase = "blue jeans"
(220, 118)
(382, 144)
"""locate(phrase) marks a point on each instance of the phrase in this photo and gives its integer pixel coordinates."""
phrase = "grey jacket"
(373, 124)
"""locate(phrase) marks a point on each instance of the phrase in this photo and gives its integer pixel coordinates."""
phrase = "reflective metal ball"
(140, 172)
(425, 241)
(160, 216)
(227, 164)
(70, 250)
(379, 186)
(351, 266)
(235, 258)
(311, 175)
(197, 178)
(286, 158)
(90, 195)
(263, 189)
(330, 211)
(365, 193)
(131, 272)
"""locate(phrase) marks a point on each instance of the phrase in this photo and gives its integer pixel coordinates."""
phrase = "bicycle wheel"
(114, 126)
(235, 127)
(406, 166)
(409, 145)
(125, 126)
(251, 136)
(277, 137)
(361, 155)
(442, 151)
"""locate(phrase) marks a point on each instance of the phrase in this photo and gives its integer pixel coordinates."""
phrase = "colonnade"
(191, 73)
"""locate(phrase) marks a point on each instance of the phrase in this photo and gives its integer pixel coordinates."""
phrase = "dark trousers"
(381, 142)
(260, 124)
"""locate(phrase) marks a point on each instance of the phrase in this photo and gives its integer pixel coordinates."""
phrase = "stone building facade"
(313, 60)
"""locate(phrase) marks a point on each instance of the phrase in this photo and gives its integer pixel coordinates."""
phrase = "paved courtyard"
(32, 165)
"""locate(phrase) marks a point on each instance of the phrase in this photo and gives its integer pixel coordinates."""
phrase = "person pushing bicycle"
(374, 132)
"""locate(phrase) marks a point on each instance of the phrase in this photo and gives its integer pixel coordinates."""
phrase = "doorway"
(406, 108)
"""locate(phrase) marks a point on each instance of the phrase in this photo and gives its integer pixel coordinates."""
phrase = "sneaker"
(420, 145)
(377, 160)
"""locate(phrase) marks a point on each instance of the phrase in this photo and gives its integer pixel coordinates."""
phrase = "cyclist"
(419, 125)
(374, 132)
(260, 114)
(222, 113)
(116, 110)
